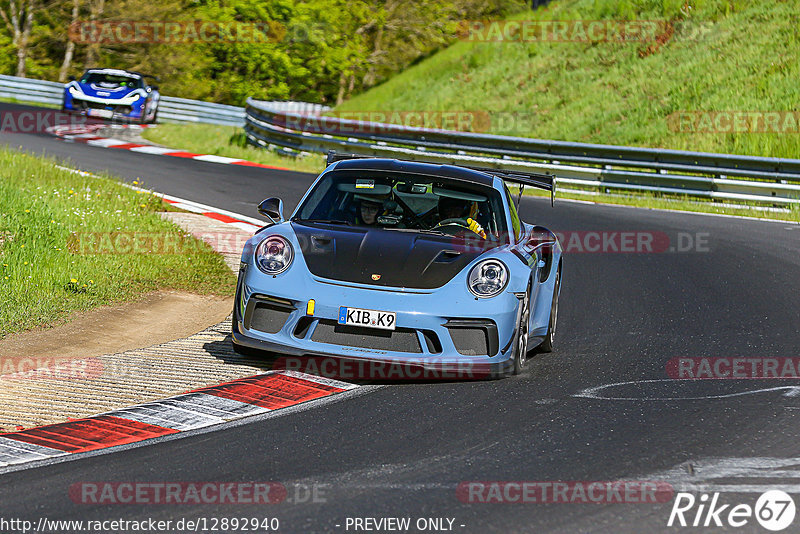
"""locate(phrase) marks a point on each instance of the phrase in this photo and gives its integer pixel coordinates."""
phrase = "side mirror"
(272, 209)
(71, 78)
(154, 87)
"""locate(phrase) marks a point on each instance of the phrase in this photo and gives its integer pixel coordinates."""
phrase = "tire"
(246, 351)
(523, 329)
(547, 344)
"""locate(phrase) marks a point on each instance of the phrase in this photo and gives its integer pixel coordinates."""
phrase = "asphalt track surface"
(402, 449)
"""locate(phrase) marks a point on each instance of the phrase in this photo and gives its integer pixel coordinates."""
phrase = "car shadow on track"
(360, 372)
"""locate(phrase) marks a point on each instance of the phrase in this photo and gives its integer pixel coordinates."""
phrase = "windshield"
(111, 81)
(406, 202)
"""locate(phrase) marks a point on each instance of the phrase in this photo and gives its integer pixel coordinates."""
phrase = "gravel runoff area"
(55, 390)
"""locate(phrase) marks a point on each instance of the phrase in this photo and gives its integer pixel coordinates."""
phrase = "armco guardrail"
(31, 90)
(169, 108)
(700, 174)
(184, 110)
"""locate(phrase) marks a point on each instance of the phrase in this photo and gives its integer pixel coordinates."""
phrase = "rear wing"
(537, 180)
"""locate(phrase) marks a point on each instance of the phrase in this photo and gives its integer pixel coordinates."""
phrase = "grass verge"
(11, 100)
(226, 141)
(43, 279)
(735, 56)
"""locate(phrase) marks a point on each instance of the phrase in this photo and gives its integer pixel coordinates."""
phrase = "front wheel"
(521, 344)
(547, 344)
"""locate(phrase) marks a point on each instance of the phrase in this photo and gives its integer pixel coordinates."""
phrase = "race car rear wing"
(537, 180)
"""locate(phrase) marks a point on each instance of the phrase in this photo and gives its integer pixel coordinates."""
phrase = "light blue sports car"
(386, 261)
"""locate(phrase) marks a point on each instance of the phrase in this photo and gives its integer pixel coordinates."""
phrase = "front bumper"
(103, 108)
(446, 332)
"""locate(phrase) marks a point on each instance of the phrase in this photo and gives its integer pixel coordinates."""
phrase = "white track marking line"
(167, 416)
(246, 226)
(152, 149)
(222, 407)
(188, 207)
(705, 472)
(18, 452)
(319, 379)
(214, 159)
(106, 142)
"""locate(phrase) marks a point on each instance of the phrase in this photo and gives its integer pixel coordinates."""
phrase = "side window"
(514, 217)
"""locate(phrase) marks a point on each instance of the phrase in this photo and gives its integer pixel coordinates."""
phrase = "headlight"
(274, 255)
(488, 278)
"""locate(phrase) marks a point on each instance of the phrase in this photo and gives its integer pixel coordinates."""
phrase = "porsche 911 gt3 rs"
(396, 261)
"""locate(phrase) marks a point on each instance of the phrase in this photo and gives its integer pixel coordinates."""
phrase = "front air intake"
(473, 337)
(266, 314)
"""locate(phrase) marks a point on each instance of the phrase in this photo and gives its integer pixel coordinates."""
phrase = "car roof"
(445, 171)
(115, 72)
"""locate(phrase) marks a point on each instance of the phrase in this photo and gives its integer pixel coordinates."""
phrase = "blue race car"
(420, 264)
(112, 94)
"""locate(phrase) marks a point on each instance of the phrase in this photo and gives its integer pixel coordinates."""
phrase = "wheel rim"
(554, 309)
(522, 341)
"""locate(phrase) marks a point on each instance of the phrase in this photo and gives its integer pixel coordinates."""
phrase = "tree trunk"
(22, 47)
(62, 73)
(377, 44)
(351, 85)
(342, 83)
(19, 21)
(93, 50)
(377, 50)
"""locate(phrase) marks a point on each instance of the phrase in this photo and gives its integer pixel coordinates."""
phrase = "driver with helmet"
(456, 208)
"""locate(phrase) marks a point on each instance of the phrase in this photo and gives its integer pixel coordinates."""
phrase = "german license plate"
(105, 113)
(369, 318)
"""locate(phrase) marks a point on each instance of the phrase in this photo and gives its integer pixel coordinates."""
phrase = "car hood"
(101, 92)
(383, 257)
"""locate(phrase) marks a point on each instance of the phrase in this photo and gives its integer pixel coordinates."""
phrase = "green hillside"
(709, 56)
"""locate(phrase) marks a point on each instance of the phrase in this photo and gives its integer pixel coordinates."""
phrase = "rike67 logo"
(774, 510)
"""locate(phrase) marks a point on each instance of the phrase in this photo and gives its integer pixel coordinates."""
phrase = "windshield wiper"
(326, 221)
(420, 230)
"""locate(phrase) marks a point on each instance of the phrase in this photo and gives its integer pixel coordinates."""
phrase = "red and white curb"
(87, 134)
(193, 410)
(243, 222)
